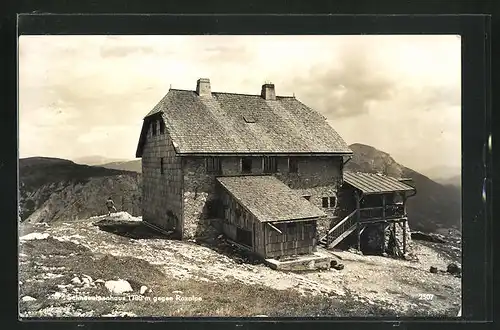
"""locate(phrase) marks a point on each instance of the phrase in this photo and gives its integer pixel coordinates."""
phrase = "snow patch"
(120, 314)
(125, 216)
(28, 298)
(34, 236)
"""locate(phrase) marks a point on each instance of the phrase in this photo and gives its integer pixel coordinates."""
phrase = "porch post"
(383, 206)
(394, 248)
(404, 204)
(358, 227)
(404, 236)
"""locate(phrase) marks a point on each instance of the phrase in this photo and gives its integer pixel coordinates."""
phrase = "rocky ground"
(77, 269)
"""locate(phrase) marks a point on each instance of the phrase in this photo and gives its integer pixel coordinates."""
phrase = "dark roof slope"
(237, 123)
(370, 183)
(269, 199)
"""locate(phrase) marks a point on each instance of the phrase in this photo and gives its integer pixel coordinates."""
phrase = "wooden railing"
(365, 215)
(391, 211)
(341, 227)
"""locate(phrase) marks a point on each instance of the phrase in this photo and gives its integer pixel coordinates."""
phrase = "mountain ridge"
(434, 207)
(52, 189)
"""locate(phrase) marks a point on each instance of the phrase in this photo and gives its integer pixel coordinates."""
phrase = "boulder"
(453, 269)
(76, 280)
(339, 266)
(118, 286)
(87, 280)
(86, 277)
(333, 263)
(143, 289)
(433, 270)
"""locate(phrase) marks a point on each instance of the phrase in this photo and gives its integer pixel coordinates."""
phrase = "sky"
(87, 95)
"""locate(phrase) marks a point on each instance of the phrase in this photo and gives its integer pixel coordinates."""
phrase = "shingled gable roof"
(370, 183)
(269, 199)
(226, 123)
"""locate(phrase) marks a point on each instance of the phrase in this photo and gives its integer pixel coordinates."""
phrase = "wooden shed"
(266, 217)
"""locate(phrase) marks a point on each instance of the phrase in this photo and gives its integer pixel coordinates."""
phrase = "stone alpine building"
(265, 169)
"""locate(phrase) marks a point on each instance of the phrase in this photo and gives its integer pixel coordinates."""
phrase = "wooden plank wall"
(297, 238)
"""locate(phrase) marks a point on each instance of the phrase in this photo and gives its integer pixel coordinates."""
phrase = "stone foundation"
(381, 238)
(313, 261)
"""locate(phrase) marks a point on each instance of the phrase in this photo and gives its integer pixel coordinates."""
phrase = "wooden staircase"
(340, 231)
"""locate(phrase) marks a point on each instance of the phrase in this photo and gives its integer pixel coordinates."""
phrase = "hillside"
(455, 181)
(53, 189)
(435, 206)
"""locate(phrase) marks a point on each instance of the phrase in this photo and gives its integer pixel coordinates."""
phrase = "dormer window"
(248, 118)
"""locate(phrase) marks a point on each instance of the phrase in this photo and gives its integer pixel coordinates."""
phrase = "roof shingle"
(238, 123)
(269, 199)
(370, 183)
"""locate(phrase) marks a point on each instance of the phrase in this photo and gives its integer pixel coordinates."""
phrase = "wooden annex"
(268, 218)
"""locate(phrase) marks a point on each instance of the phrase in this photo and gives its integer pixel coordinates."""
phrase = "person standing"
(111, 206)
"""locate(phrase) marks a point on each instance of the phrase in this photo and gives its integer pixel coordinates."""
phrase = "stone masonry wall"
(317, 177)
(162, 202)
(374, 234)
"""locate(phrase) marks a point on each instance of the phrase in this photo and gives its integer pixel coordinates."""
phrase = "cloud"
(82, 95)
(121, 51)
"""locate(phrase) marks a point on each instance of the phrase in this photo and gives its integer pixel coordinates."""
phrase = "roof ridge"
(231, 93)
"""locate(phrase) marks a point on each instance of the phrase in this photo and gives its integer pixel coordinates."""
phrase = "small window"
(248, 118)
(329, 202)
(270, 165)
(246, 165)
(293, 165)
(307, 197)
(153, 127)
(324, 202)
(162, 127)
(213, 165)
(333, 201)
(161, 166)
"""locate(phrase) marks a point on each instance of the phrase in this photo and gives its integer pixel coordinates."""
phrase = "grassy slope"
(228, 286)
(230, 298)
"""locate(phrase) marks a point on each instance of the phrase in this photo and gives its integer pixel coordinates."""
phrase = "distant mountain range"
(131, 165)
(445, 175)
(97, 160)
(52, 185)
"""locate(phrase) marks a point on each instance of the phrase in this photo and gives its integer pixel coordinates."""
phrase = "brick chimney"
(203, 87)
(268, 92)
